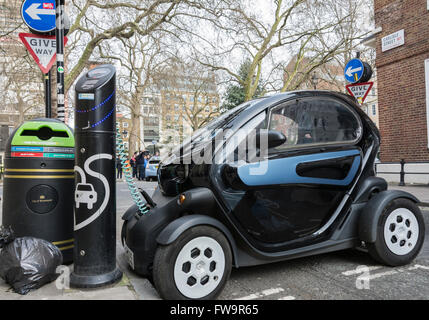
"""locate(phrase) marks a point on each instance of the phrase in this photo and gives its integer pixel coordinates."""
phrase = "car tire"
(196, 265)
(400, 234)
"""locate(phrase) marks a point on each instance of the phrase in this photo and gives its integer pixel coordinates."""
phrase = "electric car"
(152, 168)
(276, 178)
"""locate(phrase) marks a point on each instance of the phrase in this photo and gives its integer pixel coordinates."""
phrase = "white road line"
(359, 270)
(381, 274)
(287, 298)
(417, 266)
(262, 294)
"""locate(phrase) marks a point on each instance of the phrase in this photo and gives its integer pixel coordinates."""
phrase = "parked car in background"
(152, 168)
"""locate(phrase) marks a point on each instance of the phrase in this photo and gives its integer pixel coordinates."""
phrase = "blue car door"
(301, 188)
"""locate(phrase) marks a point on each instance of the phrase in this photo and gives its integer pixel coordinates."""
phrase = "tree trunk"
(133, 134)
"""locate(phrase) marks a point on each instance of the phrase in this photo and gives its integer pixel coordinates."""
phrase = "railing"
(402, 171)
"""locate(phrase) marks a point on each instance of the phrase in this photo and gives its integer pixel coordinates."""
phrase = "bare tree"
(21, 83)
(95, 22)
(270, 39)
(190, 91)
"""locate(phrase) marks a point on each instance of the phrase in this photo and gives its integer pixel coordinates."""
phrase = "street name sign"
(41, 48)
(39, 15)
(393, 40)
(354, 70)
(359, 90)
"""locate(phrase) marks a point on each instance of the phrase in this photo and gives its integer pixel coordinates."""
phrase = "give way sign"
(359, 90)
(41, 48)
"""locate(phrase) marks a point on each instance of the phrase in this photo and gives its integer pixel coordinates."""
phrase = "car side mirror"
(274, 138)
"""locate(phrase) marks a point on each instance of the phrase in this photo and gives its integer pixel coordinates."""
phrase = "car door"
(306, 178)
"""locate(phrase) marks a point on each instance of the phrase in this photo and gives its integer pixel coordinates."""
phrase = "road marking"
(262, 294)
(381, 274)
(359, 270)
(417, 266)
(287, 298)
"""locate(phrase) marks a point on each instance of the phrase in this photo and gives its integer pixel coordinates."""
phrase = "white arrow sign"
(33, 11)
(350, 71)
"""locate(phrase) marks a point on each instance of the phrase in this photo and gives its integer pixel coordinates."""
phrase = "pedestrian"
(118, 169)
(140, 161)
(133, 164)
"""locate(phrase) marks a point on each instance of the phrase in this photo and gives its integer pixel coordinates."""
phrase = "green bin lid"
(48, 133)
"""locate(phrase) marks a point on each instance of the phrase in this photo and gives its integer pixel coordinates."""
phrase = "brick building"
(401, 40)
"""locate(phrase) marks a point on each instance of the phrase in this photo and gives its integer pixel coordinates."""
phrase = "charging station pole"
(95, 180)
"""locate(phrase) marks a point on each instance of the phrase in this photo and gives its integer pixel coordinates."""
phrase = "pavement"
(328, 276)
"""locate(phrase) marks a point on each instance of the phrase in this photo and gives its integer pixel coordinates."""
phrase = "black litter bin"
(38, 184)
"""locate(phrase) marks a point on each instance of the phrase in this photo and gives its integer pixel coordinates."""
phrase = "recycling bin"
(39, 183)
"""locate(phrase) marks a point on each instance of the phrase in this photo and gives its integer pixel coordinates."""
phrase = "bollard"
(95, 181)
(402, 174)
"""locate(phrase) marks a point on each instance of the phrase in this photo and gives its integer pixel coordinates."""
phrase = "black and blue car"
(304, 184)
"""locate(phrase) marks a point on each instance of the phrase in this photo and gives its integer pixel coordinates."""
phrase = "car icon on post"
(85, 194)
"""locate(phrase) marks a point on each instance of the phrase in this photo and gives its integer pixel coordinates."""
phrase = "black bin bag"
(27, 263)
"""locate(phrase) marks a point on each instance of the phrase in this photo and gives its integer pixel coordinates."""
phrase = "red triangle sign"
(42, 49)
(359, 90)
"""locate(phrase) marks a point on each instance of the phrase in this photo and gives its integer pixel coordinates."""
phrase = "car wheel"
(195, 266)
(400, 233)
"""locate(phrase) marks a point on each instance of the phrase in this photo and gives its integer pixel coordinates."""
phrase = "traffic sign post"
(353, 70)
(41, 48)
(357, 71)
(59, 34)
(39, 15)
(359, 90)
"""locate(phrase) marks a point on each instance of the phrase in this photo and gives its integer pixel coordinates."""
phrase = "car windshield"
(209, 130)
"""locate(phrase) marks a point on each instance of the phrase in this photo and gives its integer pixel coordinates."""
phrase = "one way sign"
(41, 48)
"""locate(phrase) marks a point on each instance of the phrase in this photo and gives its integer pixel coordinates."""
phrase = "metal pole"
(402, 174)
(48, 110)
(59, 34)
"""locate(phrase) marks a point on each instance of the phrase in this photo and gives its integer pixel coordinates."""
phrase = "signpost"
(41, 48)
(59, 34)
(43, 17)
(360, 90)
(354, 70)
(43, 51)
(39, 15)
(358, 73)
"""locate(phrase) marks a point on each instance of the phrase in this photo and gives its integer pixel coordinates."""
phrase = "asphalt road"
(329, 276)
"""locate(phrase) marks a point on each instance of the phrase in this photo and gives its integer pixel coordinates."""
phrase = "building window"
(125, 124)
(374, 111)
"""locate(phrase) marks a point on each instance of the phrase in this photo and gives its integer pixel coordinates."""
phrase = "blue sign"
(39, 15)
(354, 70)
